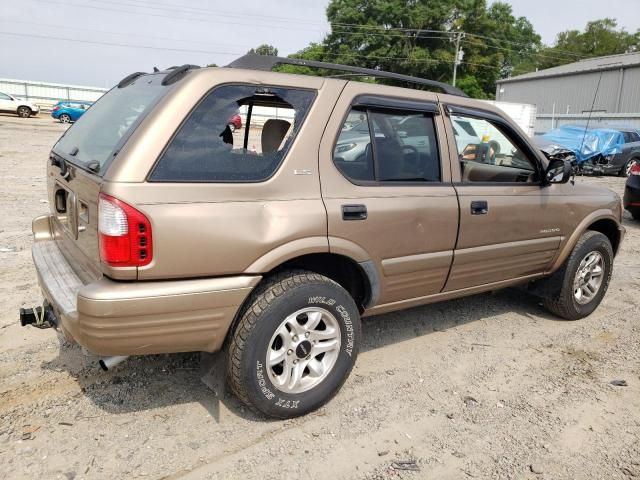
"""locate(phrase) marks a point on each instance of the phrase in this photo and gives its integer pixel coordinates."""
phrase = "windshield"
(94, 139)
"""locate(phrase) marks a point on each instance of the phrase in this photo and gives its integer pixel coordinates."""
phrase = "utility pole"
(459, 54)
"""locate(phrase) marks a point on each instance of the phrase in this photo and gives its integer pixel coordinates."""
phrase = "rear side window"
(404, 147)
(238, 133)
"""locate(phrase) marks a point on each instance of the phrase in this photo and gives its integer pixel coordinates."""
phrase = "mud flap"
(213, 371)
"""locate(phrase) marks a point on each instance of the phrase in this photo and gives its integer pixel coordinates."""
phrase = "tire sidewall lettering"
(283, 401)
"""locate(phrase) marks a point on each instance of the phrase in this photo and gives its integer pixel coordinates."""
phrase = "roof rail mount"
(264, 62)
(128, 80)
(177, 73)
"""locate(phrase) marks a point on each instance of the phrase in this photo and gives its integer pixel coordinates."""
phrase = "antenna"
(593, 105)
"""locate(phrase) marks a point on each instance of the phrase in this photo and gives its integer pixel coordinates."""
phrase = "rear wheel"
(24, 112)
(295, 344)
(64, 118)
(576, 290)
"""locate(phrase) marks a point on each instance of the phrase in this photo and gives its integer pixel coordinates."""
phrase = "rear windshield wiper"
(58, 161)
(94, 166)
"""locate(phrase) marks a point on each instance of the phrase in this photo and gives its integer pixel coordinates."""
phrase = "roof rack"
(264, 62)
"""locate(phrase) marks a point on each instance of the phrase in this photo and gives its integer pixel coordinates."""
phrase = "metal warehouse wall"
(547, 122)
(48, 94)
(574, 93)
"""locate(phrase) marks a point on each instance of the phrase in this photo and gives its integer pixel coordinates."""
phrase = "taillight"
(635, 169)
(56, 108)
(124, 234)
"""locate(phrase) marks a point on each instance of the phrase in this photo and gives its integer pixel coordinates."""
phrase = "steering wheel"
(413, 152)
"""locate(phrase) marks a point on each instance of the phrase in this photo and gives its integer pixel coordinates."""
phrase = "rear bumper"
(108, 317)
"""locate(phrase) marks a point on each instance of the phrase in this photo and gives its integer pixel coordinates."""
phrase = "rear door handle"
(354, 212)
(479, 207)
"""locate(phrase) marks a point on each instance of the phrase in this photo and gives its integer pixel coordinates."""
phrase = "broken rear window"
(238, 133)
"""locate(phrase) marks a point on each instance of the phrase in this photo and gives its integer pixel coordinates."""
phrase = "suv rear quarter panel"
(210, 229)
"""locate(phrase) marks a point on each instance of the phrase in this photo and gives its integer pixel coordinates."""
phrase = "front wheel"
(625, 171)
(577, 289)
(295, 344)
(24, 112)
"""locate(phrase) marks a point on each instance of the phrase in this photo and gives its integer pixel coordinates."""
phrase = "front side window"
(5, 97)
(385, 145)
(487, 153)
(238, 133)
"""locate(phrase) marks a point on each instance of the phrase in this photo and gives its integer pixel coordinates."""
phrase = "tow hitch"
(39, 317)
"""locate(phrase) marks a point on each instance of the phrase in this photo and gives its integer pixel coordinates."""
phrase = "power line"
(124, 45)
(111, 44)
(155, 37)
(420, 36)
(172, 17)
(418, 30)
(219, 13)
(384, 31)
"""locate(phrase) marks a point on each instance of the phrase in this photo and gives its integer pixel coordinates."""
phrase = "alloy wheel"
(588, 279)
(303, 350)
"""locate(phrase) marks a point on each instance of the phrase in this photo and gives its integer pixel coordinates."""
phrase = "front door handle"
(354, 212)
(479, 207)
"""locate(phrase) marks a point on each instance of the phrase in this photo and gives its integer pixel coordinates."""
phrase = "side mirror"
(558, 171)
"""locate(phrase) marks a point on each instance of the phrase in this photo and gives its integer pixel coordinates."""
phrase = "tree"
(600, 38)
(265, 49)
(414, 37)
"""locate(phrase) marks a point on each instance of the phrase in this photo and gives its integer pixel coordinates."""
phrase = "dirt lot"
(490, 386)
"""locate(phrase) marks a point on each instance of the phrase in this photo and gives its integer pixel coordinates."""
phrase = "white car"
(22, 108)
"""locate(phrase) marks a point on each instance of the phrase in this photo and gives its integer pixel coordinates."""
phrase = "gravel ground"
(490, 386)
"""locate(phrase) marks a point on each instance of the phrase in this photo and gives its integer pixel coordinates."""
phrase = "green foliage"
(417, 37)
(600, 38)
(470, 85)
(414, 37)
(265, 49)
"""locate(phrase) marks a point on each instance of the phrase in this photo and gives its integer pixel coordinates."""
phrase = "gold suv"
(265, 213)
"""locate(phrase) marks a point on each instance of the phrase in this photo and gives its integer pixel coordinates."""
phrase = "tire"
(64, 118)
(261, 331)
(635, 214)
(624, 171)
(24, 112)
(561, 298)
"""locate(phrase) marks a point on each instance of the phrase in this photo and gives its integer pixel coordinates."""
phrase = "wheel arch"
(359, 279)
(609, 228)
(601, 221)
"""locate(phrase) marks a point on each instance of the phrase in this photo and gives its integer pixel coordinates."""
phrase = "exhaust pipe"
(108, 363)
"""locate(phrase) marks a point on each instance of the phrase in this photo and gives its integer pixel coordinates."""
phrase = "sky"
(98, 42)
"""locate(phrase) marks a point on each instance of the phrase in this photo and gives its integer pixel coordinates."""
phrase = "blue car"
(68, 112)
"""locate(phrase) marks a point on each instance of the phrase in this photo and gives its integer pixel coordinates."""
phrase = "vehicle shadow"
(157, 381)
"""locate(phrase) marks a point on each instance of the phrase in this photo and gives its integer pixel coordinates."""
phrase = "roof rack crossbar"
(265, 62)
